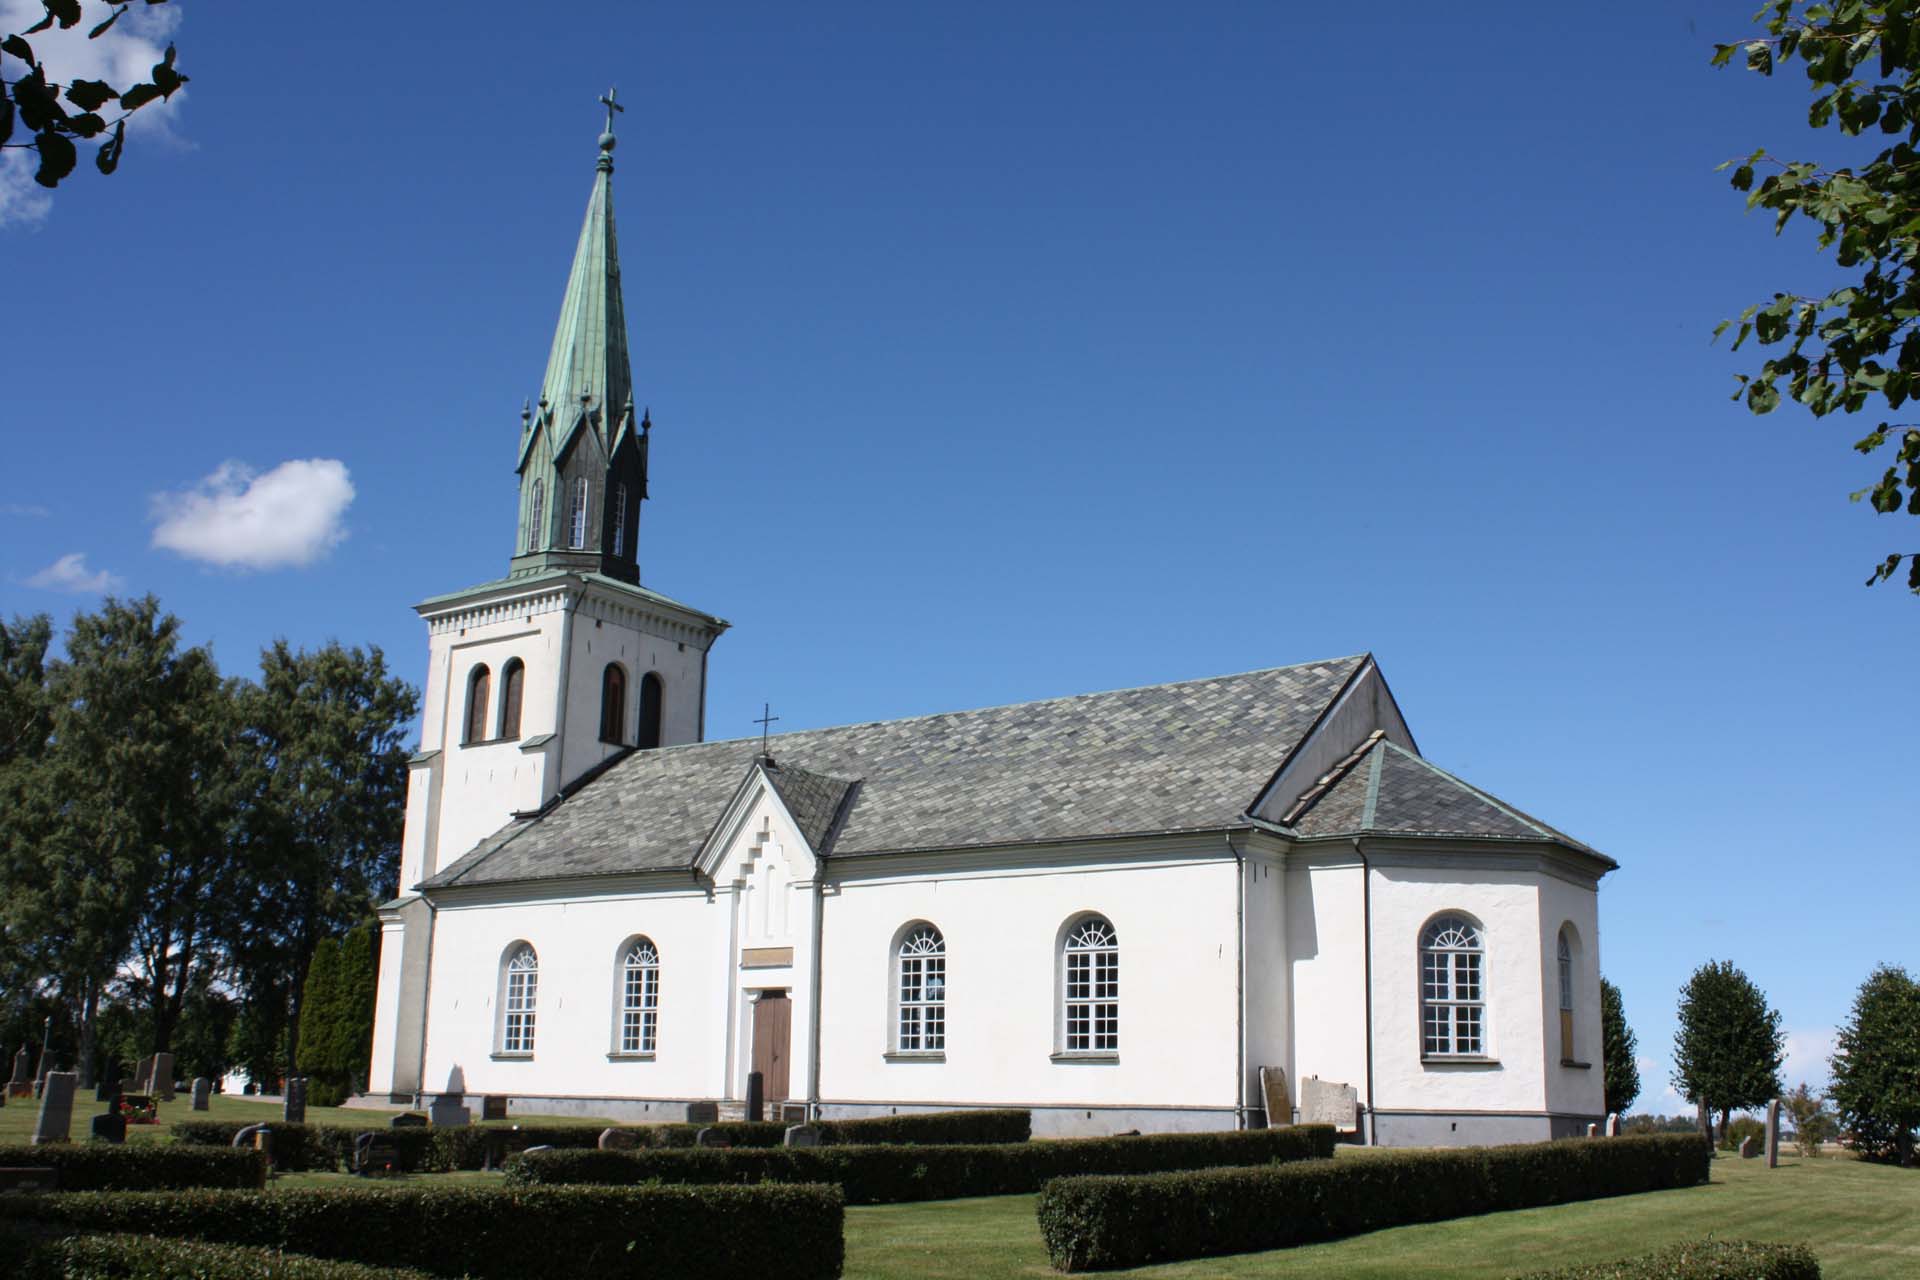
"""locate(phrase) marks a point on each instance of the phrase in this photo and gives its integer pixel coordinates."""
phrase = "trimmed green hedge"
(931, 1129)
(1100, 1223)
(1702, 1260)
(129, 1257)
(141, 1166)
(491, 1233)
(893, 1174)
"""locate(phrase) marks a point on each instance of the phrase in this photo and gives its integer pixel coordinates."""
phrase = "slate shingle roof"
(1172, 757)
(1387, 790)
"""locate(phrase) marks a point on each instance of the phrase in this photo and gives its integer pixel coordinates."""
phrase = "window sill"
(1086, 1055)
(915, 1055)
(503, 1056)
(1578, 1066)
(1458, 1060)
(491, 742)
(617, 1056)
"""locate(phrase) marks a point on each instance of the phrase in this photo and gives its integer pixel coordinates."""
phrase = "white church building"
(1112, 908)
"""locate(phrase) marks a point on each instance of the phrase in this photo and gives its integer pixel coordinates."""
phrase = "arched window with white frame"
(640, 997)
(1453, 1001)
(519, 1000)
(920, 971)
(1090, 987)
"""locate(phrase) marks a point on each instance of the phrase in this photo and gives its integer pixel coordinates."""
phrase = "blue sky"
(1009, 351)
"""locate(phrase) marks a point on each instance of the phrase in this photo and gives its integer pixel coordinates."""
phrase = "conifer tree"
(319, 1013)
(359, 978)
(1617, 1044)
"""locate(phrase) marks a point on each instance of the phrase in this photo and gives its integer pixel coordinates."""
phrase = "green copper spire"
(582, 459)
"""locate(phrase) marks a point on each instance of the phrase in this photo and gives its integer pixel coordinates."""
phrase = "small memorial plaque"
(1274, 1096)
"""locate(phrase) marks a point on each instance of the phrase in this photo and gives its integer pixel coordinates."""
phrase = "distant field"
(17, 1117)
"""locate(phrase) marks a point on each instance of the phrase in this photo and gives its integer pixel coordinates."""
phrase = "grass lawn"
(1862, 1220)
(18, 1116)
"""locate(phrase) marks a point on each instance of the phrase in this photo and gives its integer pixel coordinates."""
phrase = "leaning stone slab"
(1329, 1102)
(618, 1140)
(1773, 1134)
(710, 1138)
(1748, 1148)
(1274, 1095)
(803, 1135)
(56, 1108)
(163, 1076)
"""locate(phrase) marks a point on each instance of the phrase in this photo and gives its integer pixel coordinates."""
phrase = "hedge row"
(931, 1129)
(141, 1166)
(892, 1174)
(1100, 1223)
(130, 1257)
(490, 1233)
(1702, 1260)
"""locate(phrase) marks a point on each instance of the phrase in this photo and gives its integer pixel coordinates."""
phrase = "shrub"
(932, 1128)
(129, 1257)
(892, 1174)
(1099, 1223)
(301, 1148)
(1702, 1260)
(490, 1233)
(143, 1166)
(1742, 1127)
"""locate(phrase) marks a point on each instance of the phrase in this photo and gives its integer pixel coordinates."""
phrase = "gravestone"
(756, 1097)
(1329, 1102)
(710, 1138)
(703, 1113)
(202, 1090)
(21, 1083)
(293, 1101)
(618, 1140)
(450, 1110)
(407, 1120)
(143, 1076)
(1773, 1134)
(1613, 1124)
(111, 1127)
(1593, 1130)
(493, 1106)
(1274, 1096)
(803, 1135)
(1748, 1148)
(163, 1076)
(56, 1108)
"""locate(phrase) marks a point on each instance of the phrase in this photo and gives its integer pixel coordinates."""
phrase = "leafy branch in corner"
(35, 103)
(1842, 350)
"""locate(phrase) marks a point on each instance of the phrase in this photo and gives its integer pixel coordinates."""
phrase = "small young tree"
(1728, 1049)
(1876, 1067)
(1617, 1043)
(1813, 1124)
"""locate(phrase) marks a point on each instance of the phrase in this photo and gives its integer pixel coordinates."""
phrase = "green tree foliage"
(1876, 1067)
(1813, 1123)
(320, 1013)
(359, 986)
(1728, 1049)
(50, 116)
(1859, 344)
(1617, 1045)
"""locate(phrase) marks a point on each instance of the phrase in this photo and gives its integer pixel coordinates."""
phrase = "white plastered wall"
(1174, 918)
(1269, 1013)
(1327, 966)
(1577, 1091)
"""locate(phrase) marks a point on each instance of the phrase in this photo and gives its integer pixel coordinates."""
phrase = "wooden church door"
(772, 1033)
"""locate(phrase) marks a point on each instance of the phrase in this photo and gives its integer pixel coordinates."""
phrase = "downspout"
(1240, 985)
(813, 996)
(1366, 942)
(426, 999)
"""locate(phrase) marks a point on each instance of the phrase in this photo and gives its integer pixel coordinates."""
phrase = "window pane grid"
(1092, 995)
(523, 990)
(1453, 1010)
(640, 1000)
(922, 1025)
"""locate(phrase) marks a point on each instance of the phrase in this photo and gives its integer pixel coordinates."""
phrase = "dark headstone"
(1773, 1134)
(1749, 1149)
(293, 1103)
(163, 1076)
(374, 1153)
(202, 1090)
(710, 1138)
(803, 1135)
(143, 1076)
(111, 1127)
(493, 1106)
(56, 1109)
(246, 1136)
(407, 1120)
(756, 1097)
(703, 1113)
(22, 1067)
(618, 1140)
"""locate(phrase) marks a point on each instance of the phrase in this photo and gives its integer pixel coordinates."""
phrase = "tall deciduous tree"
(323, 743)
(1857, 345)
(1876, 1067)
(1617, 1044)
(1728, 1049)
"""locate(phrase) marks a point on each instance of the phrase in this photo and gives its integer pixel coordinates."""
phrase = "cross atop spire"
(607, 101)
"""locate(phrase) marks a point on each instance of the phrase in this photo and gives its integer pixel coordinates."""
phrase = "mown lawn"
(18, 1115)
(1863, 1220)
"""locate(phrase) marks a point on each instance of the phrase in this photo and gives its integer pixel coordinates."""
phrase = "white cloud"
(1807, 1052)
(25, 509)
(290, 516)
(123, 56)
(70, 574)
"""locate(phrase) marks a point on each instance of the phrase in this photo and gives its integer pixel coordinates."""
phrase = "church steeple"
(582, 462)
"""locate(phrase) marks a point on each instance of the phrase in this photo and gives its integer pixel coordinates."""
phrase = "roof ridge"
(1030, 702)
